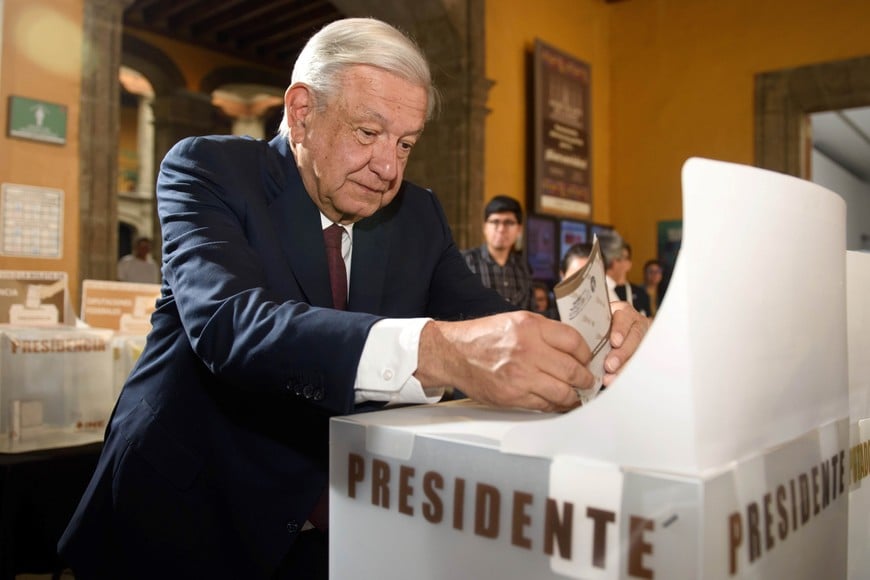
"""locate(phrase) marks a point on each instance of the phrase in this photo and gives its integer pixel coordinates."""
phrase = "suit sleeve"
(244, 330)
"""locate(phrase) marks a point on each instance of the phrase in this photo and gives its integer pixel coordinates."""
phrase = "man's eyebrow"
(370, 115)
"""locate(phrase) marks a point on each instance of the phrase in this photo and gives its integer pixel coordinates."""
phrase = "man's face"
(624, 263)
(574, 264)
(352, 154)
(501, 230)
(143, 248)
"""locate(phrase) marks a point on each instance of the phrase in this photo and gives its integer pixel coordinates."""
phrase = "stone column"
(98, 138)
(145, 146)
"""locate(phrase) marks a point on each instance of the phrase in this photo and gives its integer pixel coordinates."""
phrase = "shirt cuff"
(388, 362)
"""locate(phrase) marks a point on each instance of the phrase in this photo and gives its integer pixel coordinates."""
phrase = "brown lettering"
(521, 520)
(826, 484)
(783, 513)
(433, 510)
(768, 522)
(637, 547)
(487, 504)
(842, 469)
(752, 528)
(599, 534)
(804, 483)
(406, 490)
(559, 528)
(458, 504)
(834, 491)
(794, 514)
(381, 483)
(356, 470)
(815, 480)
(735, 539)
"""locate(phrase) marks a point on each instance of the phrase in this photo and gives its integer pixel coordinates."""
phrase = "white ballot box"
(722, 450)
(55, 387)
(858, 301)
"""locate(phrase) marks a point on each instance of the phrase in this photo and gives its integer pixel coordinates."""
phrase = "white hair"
(359, 41)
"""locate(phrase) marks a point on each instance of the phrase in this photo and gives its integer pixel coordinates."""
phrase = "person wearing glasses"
(496, 261)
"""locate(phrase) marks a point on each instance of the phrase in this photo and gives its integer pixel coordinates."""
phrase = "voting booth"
(722, 450)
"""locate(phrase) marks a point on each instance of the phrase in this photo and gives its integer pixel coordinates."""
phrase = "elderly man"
(303, 279)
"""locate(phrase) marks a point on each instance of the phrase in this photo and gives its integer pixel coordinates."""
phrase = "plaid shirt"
(513, 280)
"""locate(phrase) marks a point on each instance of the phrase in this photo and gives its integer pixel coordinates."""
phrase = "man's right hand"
(515, 359)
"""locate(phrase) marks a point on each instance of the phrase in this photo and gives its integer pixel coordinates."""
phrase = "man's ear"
(298, 103)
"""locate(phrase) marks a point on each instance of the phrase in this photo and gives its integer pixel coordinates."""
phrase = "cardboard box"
(122, 306)
(34, 298)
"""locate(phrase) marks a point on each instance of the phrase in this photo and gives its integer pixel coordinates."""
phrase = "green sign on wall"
(37, 120)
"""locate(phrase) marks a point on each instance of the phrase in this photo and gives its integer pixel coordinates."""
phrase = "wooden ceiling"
(268, 32)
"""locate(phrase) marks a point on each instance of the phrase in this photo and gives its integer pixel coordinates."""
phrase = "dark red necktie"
(319, 516)
(337, 271)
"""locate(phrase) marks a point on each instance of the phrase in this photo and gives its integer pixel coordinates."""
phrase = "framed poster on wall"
(541, 247)
(560, 123)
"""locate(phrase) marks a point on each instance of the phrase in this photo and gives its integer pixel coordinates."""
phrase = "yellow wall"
(671, 79)
(41, 59)
(683, 85)
(580, 28)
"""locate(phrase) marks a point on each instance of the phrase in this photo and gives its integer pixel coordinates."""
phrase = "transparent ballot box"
(56, 387)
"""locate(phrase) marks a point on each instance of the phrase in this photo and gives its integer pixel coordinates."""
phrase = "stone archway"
(251, 97)
(785, 98)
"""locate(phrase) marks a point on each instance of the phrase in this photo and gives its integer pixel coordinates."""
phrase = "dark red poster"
(562, 166)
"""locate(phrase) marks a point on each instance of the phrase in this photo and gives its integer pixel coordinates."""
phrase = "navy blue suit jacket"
(217, 448)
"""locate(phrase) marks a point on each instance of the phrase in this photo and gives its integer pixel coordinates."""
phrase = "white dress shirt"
(389, 357)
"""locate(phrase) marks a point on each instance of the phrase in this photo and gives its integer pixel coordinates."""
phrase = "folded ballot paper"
(583, 303)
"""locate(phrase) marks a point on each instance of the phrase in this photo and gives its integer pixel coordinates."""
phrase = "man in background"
(139, 266)
(617, 260)
(496, 261)
(574, 259)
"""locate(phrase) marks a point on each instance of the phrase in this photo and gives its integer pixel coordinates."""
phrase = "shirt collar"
(325, 222)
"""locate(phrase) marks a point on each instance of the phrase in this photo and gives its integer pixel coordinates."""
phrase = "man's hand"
(516, 359)
(627, 329)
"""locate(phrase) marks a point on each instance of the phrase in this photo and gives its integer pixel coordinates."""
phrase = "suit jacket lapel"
(371, 252)
(297, 221)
